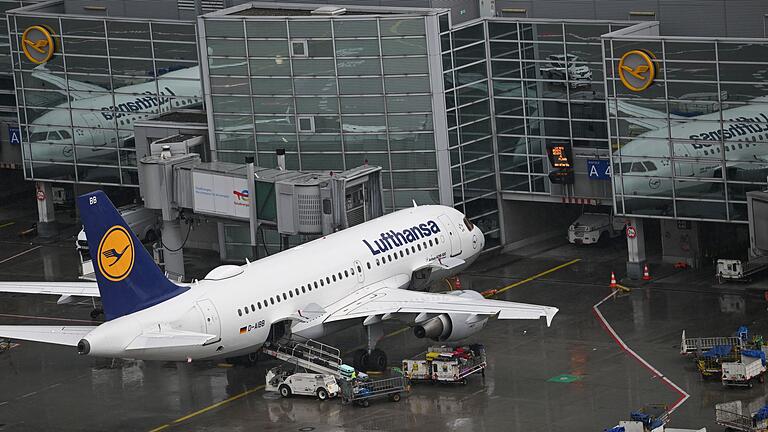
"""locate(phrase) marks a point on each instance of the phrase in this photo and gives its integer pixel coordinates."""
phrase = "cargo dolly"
(731, 415)
(361, 391)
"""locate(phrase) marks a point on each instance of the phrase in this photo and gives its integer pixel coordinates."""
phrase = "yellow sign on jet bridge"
(38, 44)
(637, 69)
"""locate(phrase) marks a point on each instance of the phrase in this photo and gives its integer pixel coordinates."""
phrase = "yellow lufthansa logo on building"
(116, 254)
(637, 69)
(38, 44)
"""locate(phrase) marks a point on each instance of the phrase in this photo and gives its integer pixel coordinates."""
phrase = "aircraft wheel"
(360, 360)
(377, 360)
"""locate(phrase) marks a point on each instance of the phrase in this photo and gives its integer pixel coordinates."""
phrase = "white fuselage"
(100, 122)
(646, 169)
(240, 303)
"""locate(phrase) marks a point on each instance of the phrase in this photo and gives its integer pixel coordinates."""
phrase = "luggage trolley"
(361, 390)
(732, 416)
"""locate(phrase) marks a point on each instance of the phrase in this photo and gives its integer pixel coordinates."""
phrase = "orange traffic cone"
(457, 284)
(646, 274)
(613, 281)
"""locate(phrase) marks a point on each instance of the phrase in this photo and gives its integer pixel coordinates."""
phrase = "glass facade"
(693, 142)
(77, 110)
(334, 92)
(513, 89)
(7, 92)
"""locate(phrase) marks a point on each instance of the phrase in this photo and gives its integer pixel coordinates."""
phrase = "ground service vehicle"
(592, 228)
(447, 364)
(734, 417)
(738, 270)
(309, 384)
(744, 372)
(567, 67)
(361, 390)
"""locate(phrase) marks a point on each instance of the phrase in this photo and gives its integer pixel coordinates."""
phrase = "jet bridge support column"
(635, 247)
(173, 248)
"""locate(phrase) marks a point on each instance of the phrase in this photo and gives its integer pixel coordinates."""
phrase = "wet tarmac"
(571, 376)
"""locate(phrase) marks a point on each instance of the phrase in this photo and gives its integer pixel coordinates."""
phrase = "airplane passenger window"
(435, 241)
(339, 275)
(377, 262)
(322, 283)
(352, 270)
(285, 297)
(419, 246)
(316, 284)
(290, 294)
(297, 291)
(395, 255)
(303, 290)
(239, 312)
(346, 273)
(368, 264)
(253, 308)
(401, 254)
(272, 300)
(407, 251)
(740, 145)
(246, 310)
(327, 280)
(277, 297)
(258, 304)
(359, 269)
(413, 249)
(334, 278)
(266, 303)
(430, 242)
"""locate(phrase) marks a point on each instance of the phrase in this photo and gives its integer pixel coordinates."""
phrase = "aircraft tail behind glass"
(128, 278)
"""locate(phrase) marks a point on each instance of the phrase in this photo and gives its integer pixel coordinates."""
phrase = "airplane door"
(210, 317)
(453, 235)
(359, 270)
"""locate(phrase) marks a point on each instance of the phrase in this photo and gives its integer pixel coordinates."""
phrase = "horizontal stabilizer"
(81, 288)
(170, 338)
(60, 335)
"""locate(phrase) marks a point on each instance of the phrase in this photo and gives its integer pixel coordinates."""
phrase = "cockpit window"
(469, 224)
(650, 166)
(65, 134)
(38, 136)
(637, 167)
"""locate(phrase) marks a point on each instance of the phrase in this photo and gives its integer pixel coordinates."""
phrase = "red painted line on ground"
(48, 318)
(683, 395)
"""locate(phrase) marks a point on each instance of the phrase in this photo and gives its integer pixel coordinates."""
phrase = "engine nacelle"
(451, 327)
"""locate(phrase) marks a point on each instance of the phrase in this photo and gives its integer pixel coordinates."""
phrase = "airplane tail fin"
(128, 278)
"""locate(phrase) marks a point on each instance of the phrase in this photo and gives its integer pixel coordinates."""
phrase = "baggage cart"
(361, 391)
(732, 416)
(743, 372)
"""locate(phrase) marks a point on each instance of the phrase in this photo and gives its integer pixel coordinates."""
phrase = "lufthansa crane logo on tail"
(116, 254)
(38, 44)
(637, 69)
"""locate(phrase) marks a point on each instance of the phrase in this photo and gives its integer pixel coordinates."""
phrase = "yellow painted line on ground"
(7, 224)
(208, 408)
(536, 276)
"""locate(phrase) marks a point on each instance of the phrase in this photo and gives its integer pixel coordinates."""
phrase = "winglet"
(550, 313)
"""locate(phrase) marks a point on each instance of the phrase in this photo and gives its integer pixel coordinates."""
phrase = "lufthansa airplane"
(645, 166)
(360, 275)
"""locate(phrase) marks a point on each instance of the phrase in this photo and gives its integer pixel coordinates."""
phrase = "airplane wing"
(77, 90)
(60, 335)
(82, 289)
(648, 118)
(386, 297)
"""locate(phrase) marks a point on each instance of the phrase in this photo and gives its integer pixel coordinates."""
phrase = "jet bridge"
(180, 185)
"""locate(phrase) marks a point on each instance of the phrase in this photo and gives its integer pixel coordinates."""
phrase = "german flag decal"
(243, 330)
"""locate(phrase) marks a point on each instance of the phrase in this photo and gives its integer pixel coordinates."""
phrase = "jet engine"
(451, 327)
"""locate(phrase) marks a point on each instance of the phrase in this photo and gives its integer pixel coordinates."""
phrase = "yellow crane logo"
(637, 69)
(38, 44)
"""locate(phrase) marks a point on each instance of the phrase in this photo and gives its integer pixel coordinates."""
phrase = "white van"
(592, 228)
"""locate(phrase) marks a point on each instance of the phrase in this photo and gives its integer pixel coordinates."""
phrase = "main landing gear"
(371, 359)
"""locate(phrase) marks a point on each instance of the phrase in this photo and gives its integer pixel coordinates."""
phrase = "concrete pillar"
(636, 248)
(46, 217)
(173, 253)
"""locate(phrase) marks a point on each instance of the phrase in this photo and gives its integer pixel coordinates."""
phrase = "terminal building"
(518, 113)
